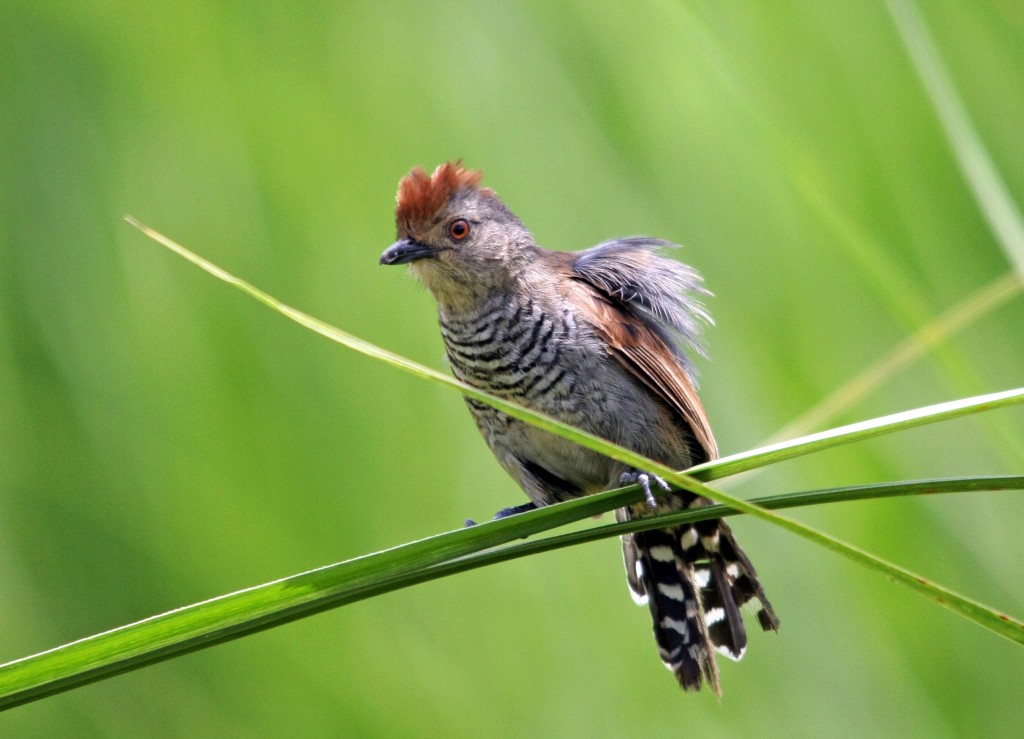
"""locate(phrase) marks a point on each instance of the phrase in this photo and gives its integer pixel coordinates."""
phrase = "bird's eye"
(458, 229)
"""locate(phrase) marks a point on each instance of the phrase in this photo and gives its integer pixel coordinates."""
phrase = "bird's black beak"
(405, 251)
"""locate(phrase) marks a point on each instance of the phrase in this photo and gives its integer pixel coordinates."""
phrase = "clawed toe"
(644, 480)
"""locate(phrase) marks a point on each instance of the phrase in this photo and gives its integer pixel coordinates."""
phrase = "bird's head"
(459, 238)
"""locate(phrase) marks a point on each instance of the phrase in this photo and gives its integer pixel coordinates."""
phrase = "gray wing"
(665, 292)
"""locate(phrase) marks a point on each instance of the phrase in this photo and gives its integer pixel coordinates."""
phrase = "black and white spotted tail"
(695, 578)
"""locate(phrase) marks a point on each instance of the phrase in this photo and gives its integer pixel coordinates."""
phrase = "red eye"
(458, 229)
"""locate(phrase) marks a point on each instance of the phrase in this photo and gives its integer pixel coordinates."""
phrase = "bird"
(597, 339)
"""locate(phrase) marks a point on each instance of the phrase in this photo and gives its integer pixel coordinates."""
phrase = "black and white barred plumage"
(694, 579)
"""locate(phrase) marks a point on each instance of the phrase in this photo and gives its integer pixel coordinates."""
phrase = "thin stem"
(251, 610)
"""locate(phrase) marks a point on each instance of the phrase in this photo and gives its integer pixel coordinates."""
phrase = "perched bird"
(595, 339)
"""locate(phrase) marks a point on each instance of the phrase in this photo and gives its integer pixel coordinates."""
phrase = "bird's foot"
(644, 478)
(506, 512)
(513, 510)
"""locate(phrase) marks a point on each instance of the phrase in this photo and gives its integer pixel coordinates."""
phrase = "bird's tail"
(695, 578)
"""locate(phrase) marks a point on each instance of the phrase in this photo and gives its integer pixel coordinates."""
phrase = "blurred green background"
(164, 439)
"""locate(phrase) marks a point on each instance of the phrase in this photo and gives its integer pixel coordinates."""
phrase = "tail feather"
(725, 624)
(746, 586)
(680, 629)
(694, 578)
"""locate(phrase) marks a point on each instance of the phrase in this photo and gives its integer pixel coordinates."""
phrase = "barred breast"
(531, 354)
(513, 350)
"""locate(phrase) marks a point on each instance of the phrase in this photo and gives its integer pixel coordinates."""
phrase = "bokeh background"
(164, 439)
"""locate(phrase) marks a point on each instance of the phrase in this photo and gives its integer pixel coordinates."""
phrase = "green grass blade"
(772, 502)
(786, 450)
(251, 610)
(976, 305)
(990, 192)
(691, 481)
(984, 616)
(722, 467)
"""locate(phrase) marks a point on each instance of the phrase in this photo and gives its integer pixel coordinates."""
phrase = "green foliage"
(254, 609)
(162, 442)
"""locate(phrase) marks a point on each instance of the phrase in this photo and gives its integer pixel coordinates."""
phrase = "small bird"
(594, 339)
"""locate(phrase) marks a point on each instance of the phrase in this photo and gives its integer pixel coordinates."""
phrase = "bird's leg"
(631, 477)
(513, 510)
(506, 512)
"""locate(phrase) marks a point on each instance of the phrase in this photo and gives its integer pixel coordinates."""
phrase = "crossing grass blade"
(251, 610)
(692, 479)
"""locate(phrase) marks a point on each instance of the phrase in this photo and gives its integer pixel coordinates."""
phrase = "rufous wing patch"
(642, 352)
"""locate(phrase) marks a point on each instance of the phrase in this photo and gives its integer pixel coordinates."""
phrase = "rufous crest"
(421, 196)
